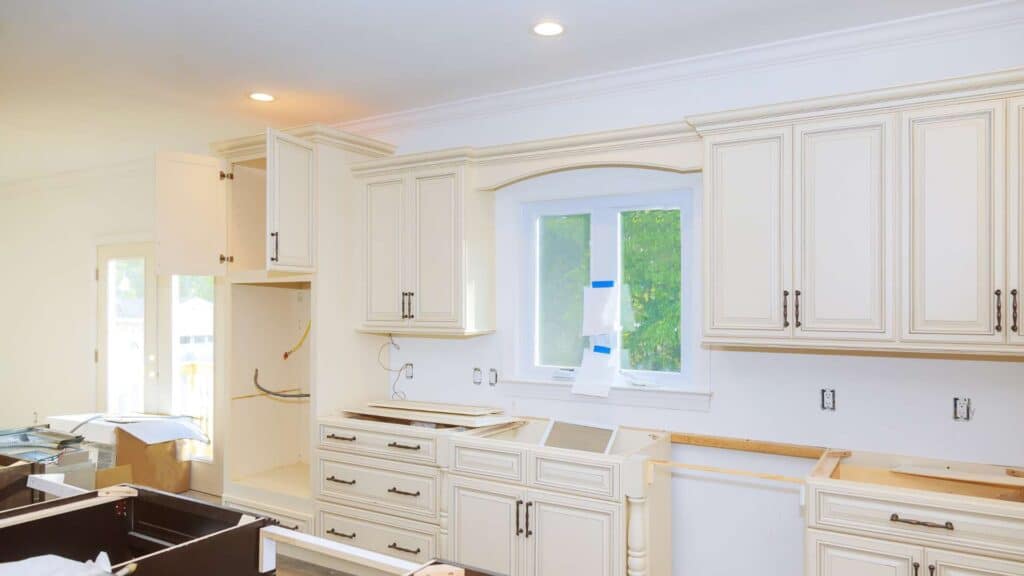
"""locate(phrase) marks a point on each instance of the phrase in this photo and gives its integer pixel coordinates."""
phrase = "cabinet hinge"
(96, 355)
(226, 175)
(97, 274)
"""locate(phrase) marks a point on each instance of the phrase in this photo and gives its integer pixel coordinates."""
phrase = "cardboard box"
(14, 490)
(155, 465)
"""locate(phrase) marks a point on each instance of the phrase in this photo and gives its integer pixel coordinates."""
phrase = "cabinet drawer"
(578, 477)
(394, 446)
(930, 523)
(289, 520)
(401, 488)
(379, 533)
(497, 463)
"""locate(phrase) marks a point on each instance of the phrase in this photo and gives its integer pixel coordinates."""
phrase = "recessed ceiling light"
(548, 28)
(261, 97)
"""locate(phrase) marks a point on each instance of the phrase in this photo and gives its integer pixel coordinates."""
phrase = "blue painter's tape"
(602, 350)
(602, 283)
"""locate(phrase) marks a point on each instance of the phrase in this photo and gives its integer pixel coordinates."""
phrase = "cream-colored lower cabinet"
(945, 563)
(508, 530)
(833, 554)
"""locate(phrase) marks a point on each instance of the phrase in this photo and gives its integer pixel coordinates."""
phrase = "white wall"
(886, 403)
(49, 230)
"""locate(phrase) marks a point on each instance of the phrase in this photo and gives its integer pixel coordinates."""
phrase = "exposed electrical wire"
(256, 382)
(396, 394)
(301, 341)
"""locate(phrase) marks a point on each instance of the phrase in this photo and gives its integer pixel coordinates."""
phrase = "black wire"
(256, 382)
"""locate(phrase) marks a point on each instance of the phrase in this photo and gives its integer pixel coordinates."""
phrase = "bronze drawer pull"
(785, 308)
(528, 531)
(339, 481)
(896, 518)
(999, 310)
(403, 446)
(333, 436)
(917, 566)
(334, 532)
(395, 546)
(931, 569)
(395, 490)
(286, 527)
(1015, 327)
(519, 506)
(796, 302)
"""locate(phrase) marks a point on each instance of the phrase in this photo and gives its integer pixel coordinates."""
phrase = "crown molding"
(978, 86)
(592, 143)
(928, 28)
(254, 146)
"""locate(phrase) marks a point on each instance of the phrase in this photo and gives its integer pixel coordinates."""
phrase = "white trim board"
(925, 29)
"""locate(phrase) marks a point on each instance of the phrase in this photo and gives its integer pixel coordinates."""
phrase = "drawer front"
(286, 520)
(393, 540)
(407, 490)
(394, 446)
(931, 524)
(478, 461)
(595, 478)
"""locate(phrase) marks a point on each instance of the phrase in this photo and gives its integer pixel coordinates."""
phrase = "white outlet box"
(961, 409)
(828, 399)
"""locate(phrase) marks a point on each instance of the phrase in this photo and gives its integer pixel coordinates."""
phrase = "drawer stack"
(378, 488)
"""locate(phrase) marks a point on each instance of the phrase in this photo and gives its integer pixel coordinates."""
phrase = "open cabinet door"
(191, 215)
(291, 203)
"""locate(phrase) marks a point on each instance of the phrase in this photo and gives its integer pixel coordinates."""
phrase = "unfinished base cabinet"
(518, 532)
(880, 515)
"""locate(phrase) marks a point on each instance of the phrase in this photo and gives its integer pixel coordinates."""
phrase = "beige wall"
(49, 230)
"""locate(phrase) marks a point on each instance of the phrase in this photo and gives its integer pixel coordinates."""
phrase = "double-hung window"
(643, 243)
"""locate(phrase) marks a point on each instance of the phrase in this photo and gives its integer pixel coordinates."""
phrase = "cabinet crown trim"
(1004, 81)
(252, 146)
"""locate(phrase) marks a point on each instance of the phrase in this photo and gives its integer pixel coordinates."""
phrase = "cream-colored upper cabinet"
(428, 252)
(435, 249)
(291, 203)
(254, 210)
(831, 554)
(573, 536)
(843, 252)
(1015, 272)
(191, 215)
(385, 237)
(747, 207)
(487, 525)
(954, 216)
(944, 563)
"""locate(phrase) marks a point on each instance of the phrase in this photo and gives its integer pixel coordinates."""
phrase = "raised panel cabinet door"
(191, 215)
(748, 234)
(954, 223)
(831, 554)
(385, 233)
(944, 563)
(573, 536)
(843, 193)
(291, 203)
(1015, 273)
(487, 529)
(435, 248)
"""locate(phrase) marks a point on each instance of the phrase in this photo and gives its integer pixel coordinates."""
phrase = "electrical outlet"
(408, 370)
(961, 409)
(492, 377)
(478, 376)
(828, 399)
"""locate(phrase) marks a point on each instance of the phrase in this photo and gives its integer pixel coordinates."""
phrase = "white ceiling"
(83, 83)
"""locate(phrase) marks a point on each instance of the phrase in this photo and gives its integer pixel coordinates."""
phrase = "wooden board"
(961, 475)
(459, 409)
(744, 445)
(435, 417)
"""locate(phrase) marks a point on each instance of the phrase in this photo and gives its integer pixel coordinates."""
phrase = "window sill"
(664, 398)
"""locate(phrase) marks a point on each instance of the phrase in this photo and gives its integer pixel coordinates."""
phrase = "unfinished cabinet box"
(252, 208)
(429, 248)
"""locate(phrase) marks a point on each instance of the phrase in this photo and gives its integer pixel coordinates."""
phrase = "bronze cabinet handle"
(917, 566)
(999, 310)
(277, 246)
(405, 314)
(395, 546)
(931, 569)
(395, 490)
(1013, 309)
(796, 302)
(528, 531)
(331, 478)
(411, 315)
(519, 505)
(334, 532)
(403, 446)
(896, 518)
(785, 308)
(333, 436)
(286, 527)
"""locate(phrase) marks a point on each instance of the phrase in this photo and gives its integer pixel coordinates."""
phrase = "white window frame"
(605, 234)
